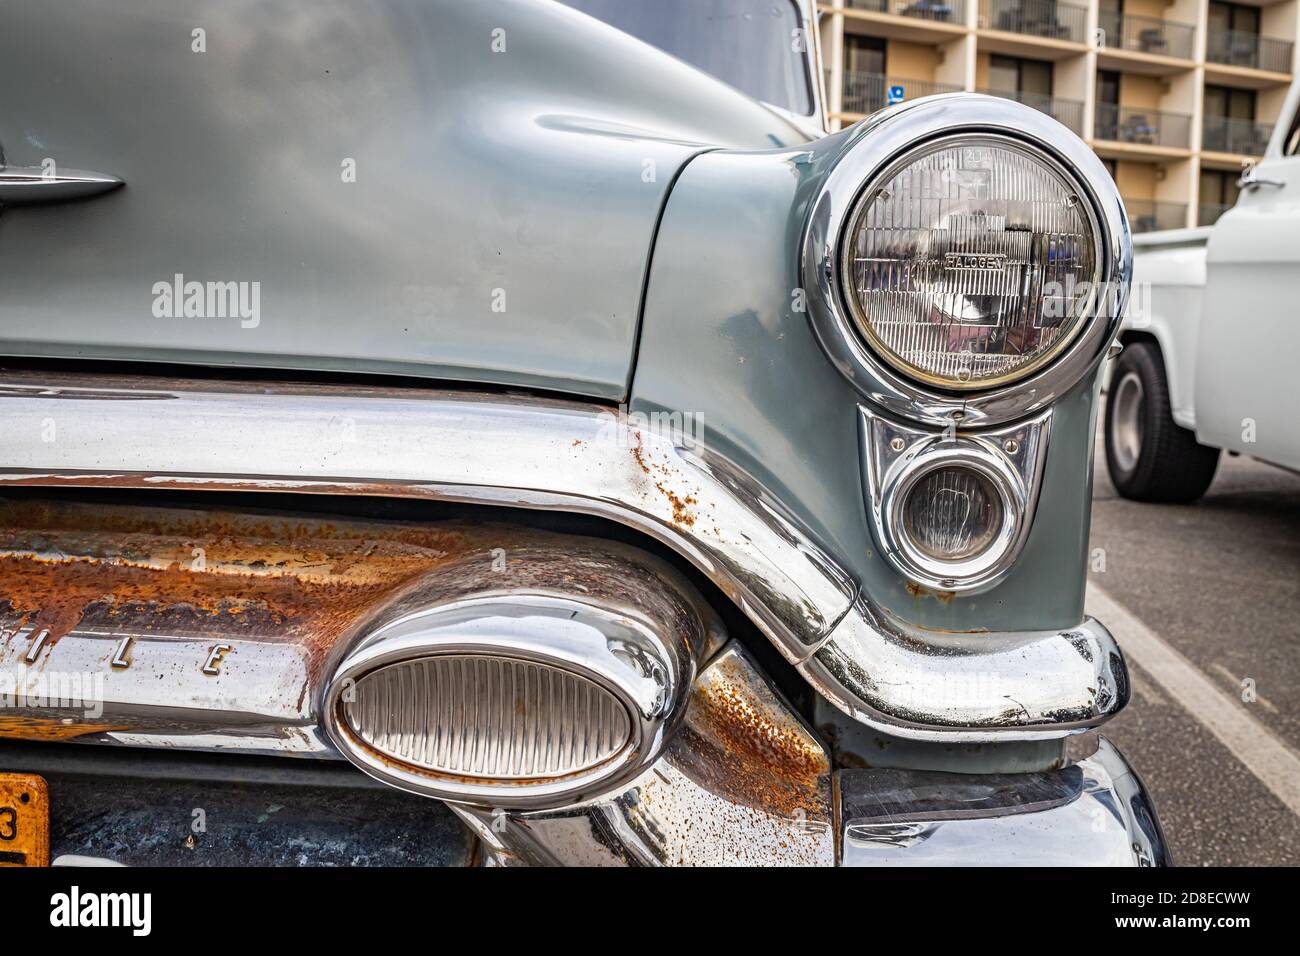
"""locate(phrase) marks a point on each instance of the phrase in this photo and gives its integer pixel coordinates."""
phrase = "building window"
(1026, 78)
(864, 54)
(1108, 87)
(1219, 187)
(1236, 17)
(1229, 122)
(1230, 103)
(1232, 35)
(1218, 193)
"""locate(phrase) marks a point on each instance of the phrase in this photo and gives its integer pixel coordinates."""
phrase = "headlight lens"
(952, 513)
(970, 264)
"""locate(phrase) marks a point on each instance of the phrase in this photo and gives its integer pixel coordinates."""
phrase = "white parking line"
(1233, 682)
(1263, 754)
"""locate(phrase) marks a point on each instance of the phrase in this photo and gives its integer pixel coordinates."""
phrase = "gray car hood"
(452, 190)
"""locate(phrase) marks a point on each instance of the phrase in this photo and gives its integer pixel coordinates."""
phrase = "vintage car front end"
(807, 590)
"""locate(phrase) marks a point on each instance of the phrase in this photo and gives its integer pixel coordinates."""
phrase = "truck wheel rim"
(1126, 421)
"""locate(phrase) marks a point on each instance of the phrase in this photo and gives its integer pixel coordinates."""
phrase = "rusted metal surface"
(23, 727)
(681, 504)
(744, 782)
(220, 574)
(134, 603)
(284, 594)
(739, 742)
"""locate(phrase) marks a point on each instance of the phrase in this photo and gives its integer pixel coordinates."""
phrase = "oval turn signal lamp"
(558, 679)
(488, 719)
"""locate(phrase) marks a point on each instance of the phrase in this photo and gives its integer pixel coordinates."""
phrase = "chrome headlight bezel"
(863, 320)
(878, 144)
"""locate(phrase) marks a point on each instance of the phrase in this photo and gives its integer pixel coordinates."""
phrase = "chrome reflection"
(1094, 813)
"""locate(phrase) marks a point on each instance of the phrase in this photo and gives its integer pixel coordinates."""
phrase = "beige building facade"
(1176, 96)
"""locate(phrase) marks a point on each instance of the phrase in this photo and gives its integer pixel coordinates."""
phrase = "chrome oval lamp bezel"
(649, 677)
(876, 146)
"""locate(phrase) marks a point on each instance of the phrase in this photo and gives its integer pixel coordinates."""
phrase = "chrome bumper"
(746, 783)
(758, 791)
(1093, 813)
(535, 453)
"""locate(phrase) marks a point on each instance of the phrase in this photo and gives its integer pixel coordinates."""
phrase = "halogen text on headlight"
(970, 263)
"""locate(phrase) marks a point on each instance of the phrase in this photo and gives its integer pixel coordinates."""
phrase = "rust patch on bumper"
(37, 728)
(287, 590)
(207, 576)
(757, 754)
(64, 565)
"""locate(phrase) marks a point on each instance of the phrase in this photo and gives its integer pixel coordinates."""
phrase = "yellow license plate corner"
(24, 820)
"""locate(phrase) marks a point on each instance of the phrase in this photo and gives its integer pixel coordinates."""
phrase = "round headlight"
(970, 263)
(952, 513)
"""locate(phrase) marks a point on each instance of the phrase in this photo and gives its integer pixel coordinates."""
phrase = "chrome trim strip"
(454, 446)
(33, 185)
(1094, 813)
(879, 141)
(256, 704)
(521, 451)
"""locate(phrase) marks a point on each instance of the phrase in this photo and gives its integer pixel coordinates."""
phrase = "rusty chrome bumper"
(756, 790)
(1095, 812)
(545, 454)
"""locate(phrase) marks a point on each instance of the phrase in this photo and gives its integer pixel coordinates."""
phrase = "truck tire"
(1149, 456)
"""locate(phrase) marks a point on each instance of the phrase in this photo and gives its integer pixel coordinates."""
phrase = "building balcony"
(1036, 18)
(1148, 215)
(1146, 35)
(864, 93)
(1067, 112)
(1221, 134)
(1237, 48)
(1142, 127)
(940, 11)
(1208, 213)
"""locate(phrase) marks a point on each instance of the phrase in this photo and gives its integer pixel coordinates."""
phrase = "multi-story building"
(1176, 96)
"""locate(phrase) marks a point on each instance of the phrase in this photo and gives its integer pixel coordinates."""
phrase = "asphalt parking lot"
(1212, 595)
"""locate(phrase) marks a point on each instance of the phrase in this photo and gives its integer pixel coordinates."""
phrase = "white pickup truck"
(1212, 338)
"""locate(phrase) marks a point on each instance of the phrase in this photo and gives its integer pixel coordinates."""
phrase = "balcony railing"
(1222, 134)
(868, 92)
(1236, 48)
(1208, 213)
(1142, 127)
(944, 11)
(1067, 112)
(1038, 18)
(1146, 215)
(1146, 34)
